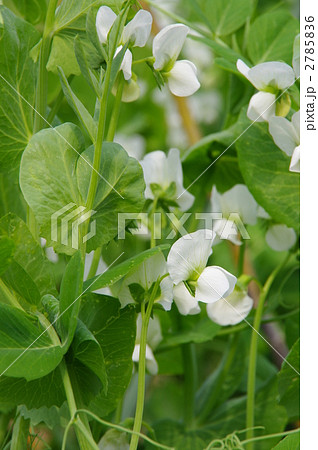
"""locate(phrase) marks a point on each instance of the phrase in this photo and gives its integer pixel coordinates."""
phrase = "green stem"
(270, 436)
(190, 381)
(94, 265)
(240, 265)
(253, 353)
(145, 315)
(153, 210)
(116, 109)
(84, 437)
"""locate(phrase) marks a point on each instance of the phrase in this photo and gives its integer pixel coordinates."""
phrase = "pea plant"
(149, 224)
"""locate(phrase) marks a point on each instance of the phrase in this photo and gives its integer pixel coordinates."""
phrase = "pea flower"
(270, 78)
(232, 309)
(236, 205)
(154, 337)
(286, 135)
(164, 178)
(279, 237)
(193, 281)
(144, 276)
(181, 76)
(136, 32)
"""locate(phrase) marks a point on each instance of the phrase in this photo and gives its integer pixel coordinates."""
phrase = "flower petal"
(230, 310)
(284, 134)
(295, 160)
(151, 363)
(277, 75)
(126, 63)
(185, 302)
(189, 254)
(131, 91)
(182, 79)
(226, 229)
(213, 284)
(175, 173)
(261, 107)
(105, 18)
(166, 287)
(280, 237)
(138, 29)
(155, 170)
(167, 45)
(296, 122)
(296, 56)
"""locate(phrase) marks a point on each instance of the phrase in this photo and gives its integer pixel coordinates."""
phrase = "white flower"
(136, 32)
(145, 275)
(194, 282)
(280, 238)
(180, 75)
(154, 337)
(269, 78)
(237, 202)
(230, 310)
(296, 56)
(163, 170)
(286, 136)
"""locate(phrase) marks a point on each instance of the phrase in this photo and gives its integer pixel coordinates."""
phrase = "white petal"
(238, 200)
(295, 160)
(261, 107)
(151, 363)
(166, 287)
(243, 68)
(189, 254)
(175, 173)
(126, 63)
(105, 18)
(155, 170)
(262, 213)
(226, 229)
(138, 29)
(277, 75)
(167, 45)
(296, 56)
(280, 237)
(182, 79)
(284, 134)
(185, 201)
(231, 310)
(213, 284)
(154, 335)
(185, 302)
(296, 122)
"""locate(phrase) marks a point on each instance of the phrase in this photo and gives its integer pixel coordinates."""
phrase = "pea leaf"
(265, 169)
(30, 271)
(25, 347)
(11, 199)
(225, 18)
(18, 79)
(271, 37)
(55, 179)
(33, 11)
(7, 248)
(63, 55)
(114, 274)
(289, 442)
(289, 382)
(115, 329)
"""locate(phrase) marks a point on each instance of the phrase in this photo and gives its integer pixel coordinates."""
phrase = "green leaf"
(11, 199)
(120, 189)
(30, 273)
(17, 86)
(202, 331)
(225, 18)
(25, 345)
(114, 274)
(83, 115)
(271, 37)
(33, 11)
(291, 442)
(265, 169)
(87, 350)
(63, 55)
(54, 175)
(71, 289)
(7, 248)
(20, 433)
(289, 382)
(52, 417)
(88, 59)
(115, 330)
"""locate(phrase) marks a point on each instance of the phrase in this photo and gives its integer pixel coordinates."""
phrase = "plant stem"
(190, 380)
(240, 265)
(84, 437)
(145, 315)
(253, 354)
(270, 436)
(152, 218)
(115, 112)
